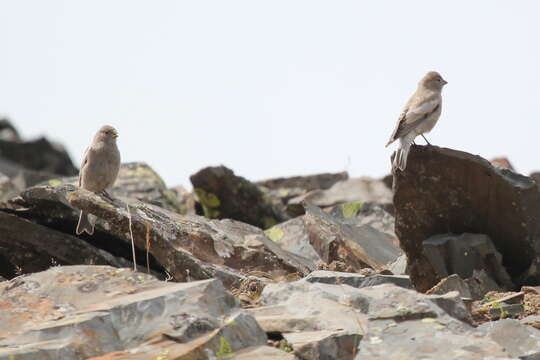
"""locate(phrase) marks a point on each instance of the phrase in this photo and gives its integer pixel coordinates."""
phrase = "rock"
(26, 247)
(346, 191)
(518, 340)
(306, 183)
(503, 163)
(355, 245)
(222, 194)
(377, 322)
(452, 283)
(8, 132)
(357, 280)
(353, 239)
(22, 177)
(462, 254)
(263, 353)
(185, 199)
(136, 180)
(480, 284)
(9, 188)
(38, 155)
(398, 267)
(187, 247)
(444, 190)
(82, 312)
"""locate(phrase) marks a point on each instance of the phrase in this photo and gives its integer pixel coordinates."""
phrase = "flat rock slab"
(79, 312)
(378, 322)
(448, 191)
(357, 280)
(518, 340)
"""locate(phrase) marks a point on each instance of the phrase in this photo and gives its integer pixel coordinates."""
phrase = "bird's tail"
(85, 224)
(402, 153)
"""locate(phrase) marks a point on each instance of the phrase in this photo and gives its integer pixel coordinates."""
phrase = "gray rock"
(452, 283)
(263, 353)
(351, 190)
(462, 254)
(448, 191)
(329, 321)
(26, 247)
(187, 247)
(222, 194)
(357, 280)
(79, 312)
(518, 340)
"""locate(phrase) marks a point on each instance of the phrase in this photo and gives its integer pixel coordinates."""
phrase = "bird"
(99, 169)
(419, 116)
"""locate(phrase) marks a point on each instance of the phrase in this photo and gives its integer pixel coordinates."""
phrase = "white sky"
(270, 88)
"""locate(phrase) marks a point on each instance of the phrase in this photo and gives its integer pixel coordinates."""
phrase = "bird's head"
(107, 133)
(433, 81)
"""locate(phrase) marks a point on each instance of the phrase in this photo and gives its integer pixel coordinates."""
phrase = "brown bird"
(99, 170)
(419, 116)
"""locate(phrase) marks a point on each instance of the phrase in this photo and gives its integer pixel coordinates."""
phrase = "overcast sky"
(270, 88)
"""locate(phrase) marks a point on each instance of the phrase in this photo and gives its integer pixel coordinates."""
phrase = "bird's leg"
(425, 139)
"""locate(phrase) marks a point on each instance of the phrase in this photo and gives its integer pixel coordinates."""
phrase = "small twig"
(148, 227)
(132, 241)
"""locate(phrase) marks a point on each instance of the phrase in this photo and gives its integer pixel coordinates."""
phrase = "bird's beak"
(445, 82)
(115, 135)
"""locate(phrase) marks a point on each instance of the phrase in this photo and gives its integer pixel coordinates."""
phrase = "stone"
(503, 163)
(378, 322)
(99, 312)
(186, 247)
(357, 245)
(357, 280)
(480, 283)
(222, 194)
(8, 132)
(26, 247)
(452, 283)
(306, 183)
(462, 254)
(449, 191)
(398, 267)
(263, 353)
(518, 340)
(185, 199)
(346, 191)
(38, 155)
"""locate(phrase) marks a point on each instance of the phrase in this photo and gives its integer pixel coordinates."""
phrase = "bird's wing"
(83, 164)
(412, 116)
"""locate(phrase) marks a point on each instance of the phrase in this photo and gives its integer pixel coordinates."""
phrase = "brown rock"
(223, 195)
(444, 190)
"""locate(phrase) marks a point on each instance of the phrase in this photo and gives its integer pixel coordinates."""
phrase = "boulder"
(38, 155)
(222, 194)
(100, 312)
(8, 132)
(462, 254)
(354, 239)
(26, 247)
(377, 322)
(357, 280)
(346, 191)
(448, 191)
(306, 183)
(520, 341)
(187, 247)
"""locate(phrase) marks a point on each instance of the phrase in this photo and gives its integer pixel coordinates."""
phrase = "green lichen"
(268, 222)
(54, 182)
(285, 346)
(351, 209)
(225, 350)
(274, 233)
(209, 203)
(164, 355)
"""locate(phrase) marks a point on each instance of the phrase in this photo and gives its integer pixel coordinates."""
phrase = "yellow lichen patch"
(209, 203)
(225, 350)
(55, 182)
(351, 209)
(274, 233)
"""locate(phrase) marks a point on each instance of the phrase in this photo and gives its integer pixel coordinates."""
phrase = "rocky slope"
(438, 262)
